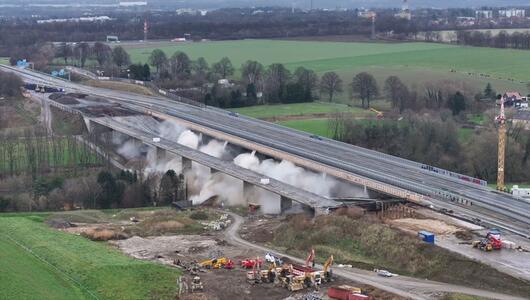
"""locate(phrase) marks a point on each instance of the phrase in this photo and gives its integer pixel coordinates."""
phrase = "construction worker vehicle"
(251, 263)
(218, 263)
(196, 284)
(492, 241)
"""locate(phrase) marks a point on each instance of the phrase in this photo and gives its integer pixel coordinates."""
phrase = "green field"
(314, 126)
(416, 63)
(299, 109)
(4, 60)
(37, 262)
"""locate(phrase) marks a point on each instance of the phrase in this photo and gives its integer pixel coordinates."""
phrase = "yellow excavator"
(379, 115)
(328, 272)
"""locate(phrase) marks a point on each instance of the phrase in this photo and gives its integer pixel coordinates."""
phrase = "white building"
(512, 13)
(133, 3)
(484, 14)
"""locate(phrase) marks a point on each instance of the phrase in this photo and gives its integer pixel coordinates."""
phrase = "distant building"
(466, 21)
(82, 19)
(112, 39)
(512, 98)
(484, 14)
(368, 14)
(512, 13)
(405, 11)
(133, 3)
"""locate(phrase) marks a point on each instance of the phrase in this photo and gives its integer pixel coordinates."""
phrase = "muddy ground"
(169, 249)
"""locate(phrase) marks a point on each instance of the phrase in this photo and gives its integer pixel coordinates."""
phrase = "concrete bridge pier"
(285, 203)
(186, 165)
(161, 155)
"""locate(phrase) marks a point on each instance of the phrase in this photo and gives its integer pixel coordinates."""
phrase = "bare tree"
(396, 92)
(331, 84)
(365, 86)
(158, 59)
(102, 53)
(82, 52)
(120, 57)
(252, 72)
(224, 67)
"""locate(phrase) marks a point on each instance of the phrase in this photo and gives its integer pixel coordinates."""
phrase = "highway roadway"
(340, 159)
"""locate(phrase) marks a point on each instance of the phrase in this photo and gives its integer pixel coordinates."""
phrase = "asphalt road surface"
(498, 209)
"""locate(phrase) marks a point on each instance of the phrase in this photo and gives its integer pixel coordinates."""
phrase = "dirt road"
(403, 286)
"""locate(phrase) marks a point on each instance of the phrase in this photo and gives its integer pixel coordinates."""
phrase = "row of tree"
(103, 190)
(516, 40)
(433, 140)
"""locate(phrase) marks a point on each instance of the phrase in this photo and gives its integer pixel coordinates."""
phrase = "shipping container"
(426, 236)
(346, 293)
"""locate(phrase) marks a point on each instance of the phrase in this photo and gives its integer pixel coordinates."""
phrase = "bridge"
(386, 174)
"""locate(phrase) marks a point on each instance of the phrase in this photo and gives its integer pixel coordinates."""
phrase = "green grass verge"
(4, 60)
(314, 126)
(97, 267)
(299, 109)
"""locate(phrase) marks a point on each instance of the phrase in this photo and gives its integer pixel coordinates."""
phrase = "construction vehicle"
(380, 114)
(492, 241)
(327, 271)
(196, 284)
(218, 263)
(249, 263)
(292, 283)
(501, 120)
(310, 258)
(254, 276)
(269, 275)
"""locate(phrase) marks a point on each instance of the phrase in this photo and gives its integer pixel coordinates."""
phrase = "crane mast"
(501, 119)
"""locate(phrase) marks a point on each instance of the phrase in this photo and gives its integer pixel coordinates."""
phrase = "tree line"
(515, 40)
(102, 190)
(434, 140)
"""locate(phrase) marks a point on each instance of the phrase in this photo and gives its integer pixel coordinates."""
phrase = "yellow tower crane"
(501, 120)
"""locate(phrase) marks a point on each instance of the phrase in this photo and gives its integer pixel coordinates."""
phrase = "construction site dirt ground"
(218, 283)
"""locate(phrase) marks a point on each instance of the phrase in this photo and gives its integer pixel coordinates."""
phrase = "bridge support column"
(247, 190)
(285, 203)
(161, 155)
(96, 128)
(186, 165)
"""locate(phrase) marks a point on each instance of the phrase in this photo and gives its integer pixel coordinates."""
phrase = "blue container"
(426, 236)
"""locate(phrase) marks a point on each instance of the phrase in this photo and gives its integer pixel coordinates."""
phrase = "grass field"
(314, 126)
(300, 109)
(414, 62)
(42, 263)
(4, 61)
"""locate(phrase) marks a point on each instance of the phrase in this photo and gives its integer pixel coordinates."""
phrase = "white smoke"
(204, 185)
(130, 149)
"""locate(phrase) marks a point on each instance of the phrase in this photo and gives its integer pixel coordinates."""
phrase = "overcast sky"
(302, 3)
